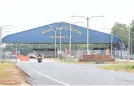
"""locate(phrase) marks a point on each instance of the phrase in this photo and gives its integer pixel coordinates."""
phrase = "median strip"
(111, 78)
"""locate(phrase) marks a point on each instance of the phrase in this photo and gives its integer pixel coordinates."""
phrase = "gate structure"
(45, 52)
(57, 35)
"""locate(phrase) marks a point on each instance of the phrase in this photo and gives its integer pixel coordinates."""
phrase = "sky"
(28, 14)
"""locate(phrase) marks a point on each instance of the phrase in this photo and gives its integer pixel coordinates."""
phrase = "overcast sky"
(28, 14)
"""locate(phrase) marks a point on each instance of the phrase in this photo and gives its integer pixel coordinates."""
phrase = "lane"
(126, 76)
(100, 76)
(75, 74)
(71, 75)
(50, 78)
(36, 78)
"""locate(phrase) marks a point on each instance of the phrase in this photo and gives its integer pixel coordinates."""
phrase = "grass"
(120, 66)
(10, 75)
(4, 67)
(76, 61)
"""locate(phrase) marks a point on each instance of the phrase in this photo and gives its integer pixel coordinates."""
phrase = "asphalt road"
(54, 73)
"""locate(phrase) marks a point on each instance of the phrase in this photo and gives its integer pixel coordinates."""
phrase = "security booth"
(46, 52)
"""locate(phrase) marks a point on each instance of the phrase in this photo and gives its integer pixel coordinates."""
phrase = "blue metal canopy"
(45, 34)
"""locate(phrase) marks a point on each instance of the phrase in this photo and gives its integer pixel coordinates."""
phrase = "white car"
(31, 55)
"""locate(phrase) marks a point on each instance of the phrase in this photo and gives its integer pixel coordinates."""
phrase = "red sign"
(13, 52)
(68, 51)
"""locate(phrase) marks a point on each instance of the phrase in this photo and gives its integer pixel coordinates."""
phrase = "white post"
(16, 52)
(131, 46)
(111, 42)
(129, 43)
(1, 44)
(16, 48)
(70, 48)
(60, 40)
(55, 44)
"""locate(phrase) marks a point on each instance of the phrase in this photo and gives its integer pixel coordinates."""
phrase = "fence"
(75, 54)
(120, 54)
(8, 57)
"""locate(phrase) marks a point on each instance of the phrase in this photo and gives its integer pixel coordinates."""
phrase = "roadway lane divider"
(111, 78)
(51, 78)
(90, 74)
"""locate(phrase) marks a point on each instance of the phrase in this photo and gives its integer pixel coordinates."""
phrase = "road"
(54, 73)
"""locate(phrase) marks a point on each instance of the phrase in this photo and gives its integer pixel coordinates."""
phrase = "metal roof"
(45, 34)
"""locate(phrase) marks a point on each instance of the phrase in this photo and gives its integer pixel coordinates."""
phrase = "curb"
(30, 81)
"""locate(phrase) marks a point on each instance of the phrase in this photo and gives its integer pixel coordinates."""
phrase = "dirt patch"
(11, 75)
(48, 60)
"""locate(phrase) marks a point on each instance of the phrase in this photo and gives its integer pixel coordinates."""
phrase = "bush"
(133, 66)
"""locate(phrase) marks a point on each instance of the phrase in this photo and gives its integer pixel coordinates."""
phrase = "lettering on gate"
(61, 28)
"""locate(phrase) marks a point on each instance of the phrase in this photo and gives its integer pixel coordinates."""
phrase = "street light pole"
(54, 40)
(87, 18)
(70, 29)
(87, 35)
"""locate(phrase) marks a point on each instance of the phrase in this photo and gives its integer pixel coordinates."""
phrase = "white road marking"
(111, 78)
(51, 78)
(90, 74)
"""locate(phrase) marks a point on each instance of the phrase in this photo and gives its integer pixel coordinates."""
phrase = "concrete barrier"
(96, 58)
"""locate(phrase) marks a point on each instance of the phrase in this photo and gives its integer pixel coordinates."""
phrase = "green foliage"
(132, 33)
(121, 30)
(119, 67)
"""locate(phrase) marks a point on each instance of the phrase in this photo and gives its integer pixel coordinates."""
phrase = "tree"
(132, 33)
(121, 31)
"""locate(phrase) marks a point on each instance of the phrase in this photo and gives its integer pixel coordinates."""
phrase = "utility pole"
(88, 18)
